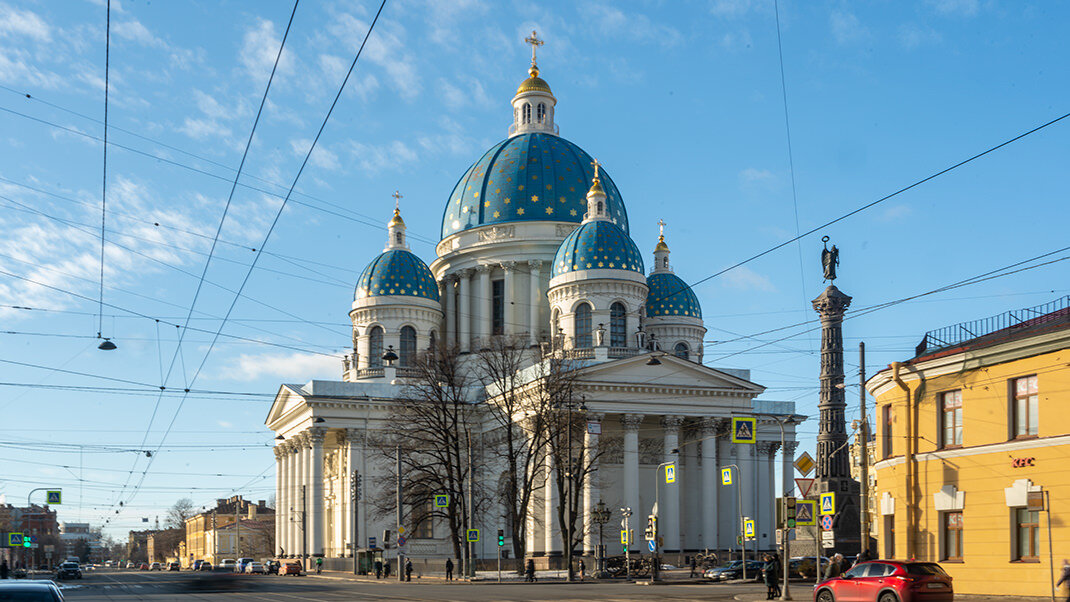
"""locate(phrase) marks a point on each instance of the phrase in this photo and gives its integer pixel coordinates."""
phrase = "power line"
(104, 180)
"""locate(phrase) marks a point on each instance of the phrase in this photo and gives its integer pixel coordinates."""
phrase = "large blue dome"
(597, 245)
(397, 272)
(670, 296)
(529, 177)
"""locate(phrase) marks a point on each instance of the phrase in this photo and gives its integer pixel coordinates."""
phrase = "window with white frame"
(951, 418)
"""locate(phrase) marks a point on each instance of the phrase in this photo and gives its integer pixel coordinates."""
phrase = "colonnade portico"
(468, 302)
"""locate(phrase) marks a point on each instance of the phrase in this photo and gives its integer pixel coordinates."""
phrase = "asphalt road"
(126, 586)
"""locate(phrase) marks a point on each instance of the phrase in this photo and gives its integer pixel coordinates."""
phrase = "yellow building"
(213, 535)
(972, 434)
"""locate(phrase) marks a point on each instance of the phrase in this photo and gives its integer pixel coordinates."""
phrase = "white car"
(255, 568)
(227, 564)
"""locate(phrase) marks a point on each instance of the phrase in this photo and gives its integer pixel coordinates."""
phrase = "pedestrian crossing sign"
(743, 430)
(14, 540)
(473, 535)
(442, 500)
(726, 476)
(828, 503)
(623, 537)
(748, 528)
(55, 497)
(805, 513)
(670, 473)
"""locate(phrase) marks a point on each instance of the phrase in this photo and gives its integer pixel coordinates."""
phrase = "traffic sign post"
(826, 522)
(54, 497)
(651, 545)
(726, 476)
(14, 540)
(473, 535)
(804, 464)
(805, 513)
(748, 529)
(371, 543)
(624, 541)
(828, 503)
(442, 500)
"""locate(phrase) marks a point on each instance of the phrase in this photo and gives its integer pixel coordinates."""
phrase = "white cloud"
(202, 129)
(912, 36)
(224, 424)
(281, 366)
(16, 67)
(744, 278)
(385, 49)
(895, 213)
(134, 31)
(752, 175)
(846, 28)
(374, 159)
(733, 8)
(260, 46)
(614, 23)
(210, 106)
(963, 8)
(321, 156)
(14, 22)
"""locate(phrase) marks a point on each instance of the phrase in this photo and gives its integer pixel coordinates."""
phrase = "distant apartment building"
(217, 533)
(72, 533)
(36, 522)
(869, 455)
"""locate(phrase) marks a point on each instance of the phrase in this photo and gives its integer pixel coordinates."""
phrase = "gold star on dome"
(534, 198)
(549, 210)
(572, 212)
(507, 200)
(497, 215)
(520, 211)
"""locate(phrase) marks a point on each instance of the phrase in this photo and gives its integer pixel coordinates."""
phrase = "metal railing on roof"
(1010, 321)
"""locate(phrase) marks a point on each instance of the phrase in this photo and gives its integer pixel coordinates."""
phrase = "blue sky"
(681, 101)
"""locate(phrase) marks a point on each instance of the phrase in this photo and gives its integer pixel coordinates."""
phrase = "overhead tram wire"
(271, 229)
(869, 205)
(219, 229)
(106, 345)
(791, 160)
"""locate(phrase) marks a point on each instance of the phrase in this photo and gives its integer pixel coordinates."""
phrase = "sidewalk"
(557, 576)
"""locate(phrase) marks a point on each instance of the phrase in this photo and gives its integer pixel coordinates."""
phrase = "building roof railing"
(1008, 323)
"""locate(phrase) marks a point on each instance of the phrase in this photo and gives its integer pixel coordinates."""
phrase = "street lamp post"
(600, 515)
(627, 513)
(742, 543)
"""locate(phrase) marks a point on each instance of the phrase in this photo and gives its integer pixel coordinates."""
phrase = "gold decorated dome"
(534, 83)
(396, 220)
(661, 245)
(596, 187)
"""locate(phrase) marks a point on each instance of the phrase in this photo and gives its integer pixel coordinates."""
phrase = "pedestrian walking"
(835, 567)
(1065, 578)
(583, 569)
(694, 565)
(386, 570)
(319, 565)
(378, 569)
(408, 569)
(449, 569)
(771, 574)
(529, 571)
(3, 569)
(865, 556)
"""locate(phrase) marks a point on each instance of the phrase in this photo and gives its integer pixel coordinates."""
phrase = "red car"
(144, 566)
(291, 568)
(888, 581)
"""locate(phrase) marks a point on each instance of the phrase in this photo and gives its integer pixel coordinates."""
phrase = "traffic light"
(501, 537)
(386, 537)
(789, 514)
(651, 527)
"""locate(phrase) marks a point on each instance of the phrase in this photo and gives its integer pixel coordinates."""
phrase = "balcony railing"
(1008, 323)
(536, 127)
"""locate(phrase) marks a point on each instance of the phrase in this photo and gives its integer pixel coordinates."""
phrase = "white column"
(483, 299)
(591, 489)
(451, 310)
(552, 532)
(353, 452)
(630, 469)
(315, 503)
(535, 300)
(710, 483)
(279, 497)
(770, 493)
(291, 483)
(464, 309)
(669, 510)
(508, 313)
(787, 460)
(300, 501)
(747, 466)
(727, 504)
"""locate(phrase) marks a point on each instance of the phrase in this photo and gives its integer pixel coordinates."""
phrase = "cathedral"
(536, 246)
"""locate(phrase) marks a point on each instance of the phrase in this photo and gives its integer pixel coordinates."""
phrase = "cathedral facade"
(536, 246)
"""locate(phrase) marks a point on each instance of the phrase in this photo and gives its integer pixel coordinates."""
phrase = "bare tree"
(520, 440)
(179, 512)
(431, 425)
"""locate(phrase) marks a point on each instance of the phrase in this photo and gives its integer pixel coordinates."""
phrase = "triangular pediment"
(672, 372)
(289, 398)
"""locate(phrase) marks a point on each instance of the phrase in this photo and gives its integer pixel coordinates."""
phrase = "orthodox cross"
(535, 43)
(661, 229)
(397, 199)
(596, 165)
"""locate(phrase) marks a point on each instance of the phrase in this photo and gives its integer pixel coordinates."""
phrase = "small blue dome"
(597, 245)
(397, 272)
(670, 296)
(529, 177)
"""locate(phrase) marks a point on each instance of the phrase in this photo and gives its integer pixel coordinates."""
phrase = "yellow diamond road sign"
(726, 476)
(804, 464)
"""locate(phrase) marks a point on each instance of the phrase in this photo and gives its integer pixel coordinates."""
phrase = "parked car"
(889, 581)
(734, 570)
(174, 566)
(805, 567)
(196, 564)
(292, 568)
(130, 564)
(67, 570)
(255, 568)
(144, 566)
(242, 562)
(272, 567)
(205, 566)
(38, 591)
(156, 566)
(227, 564)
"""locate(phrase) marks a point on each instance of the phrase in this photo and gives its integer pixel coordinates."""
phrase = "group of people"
(382, 570)
(771, 571)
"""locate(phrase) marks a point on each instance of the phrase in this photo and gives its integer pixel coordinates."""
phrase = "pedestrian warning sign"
(14, 540)
(670, 473)
(55, 497)
(442, 500)
(828, 503)
(743, 430)
(623, 537)
(726, 476)
(748, 528)
(473, 535)
(805, 513)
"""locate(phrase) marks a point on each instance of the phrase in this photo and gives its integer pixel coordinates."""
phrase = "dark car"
(272, 567)
(888, 581)
(734, 570)
(67, 570)
(30, 591)
(174, 566)
(204, 566)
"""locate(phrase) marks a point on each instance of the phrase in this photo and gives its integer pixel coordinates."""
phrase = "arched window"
(540, 112)
(375, 347)
(618, 336)
(583, 326)
(408, 347)
(600, 210)
(681, 350)
(397, 237)
(432, 341)
(555, 323)
(527, 113)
